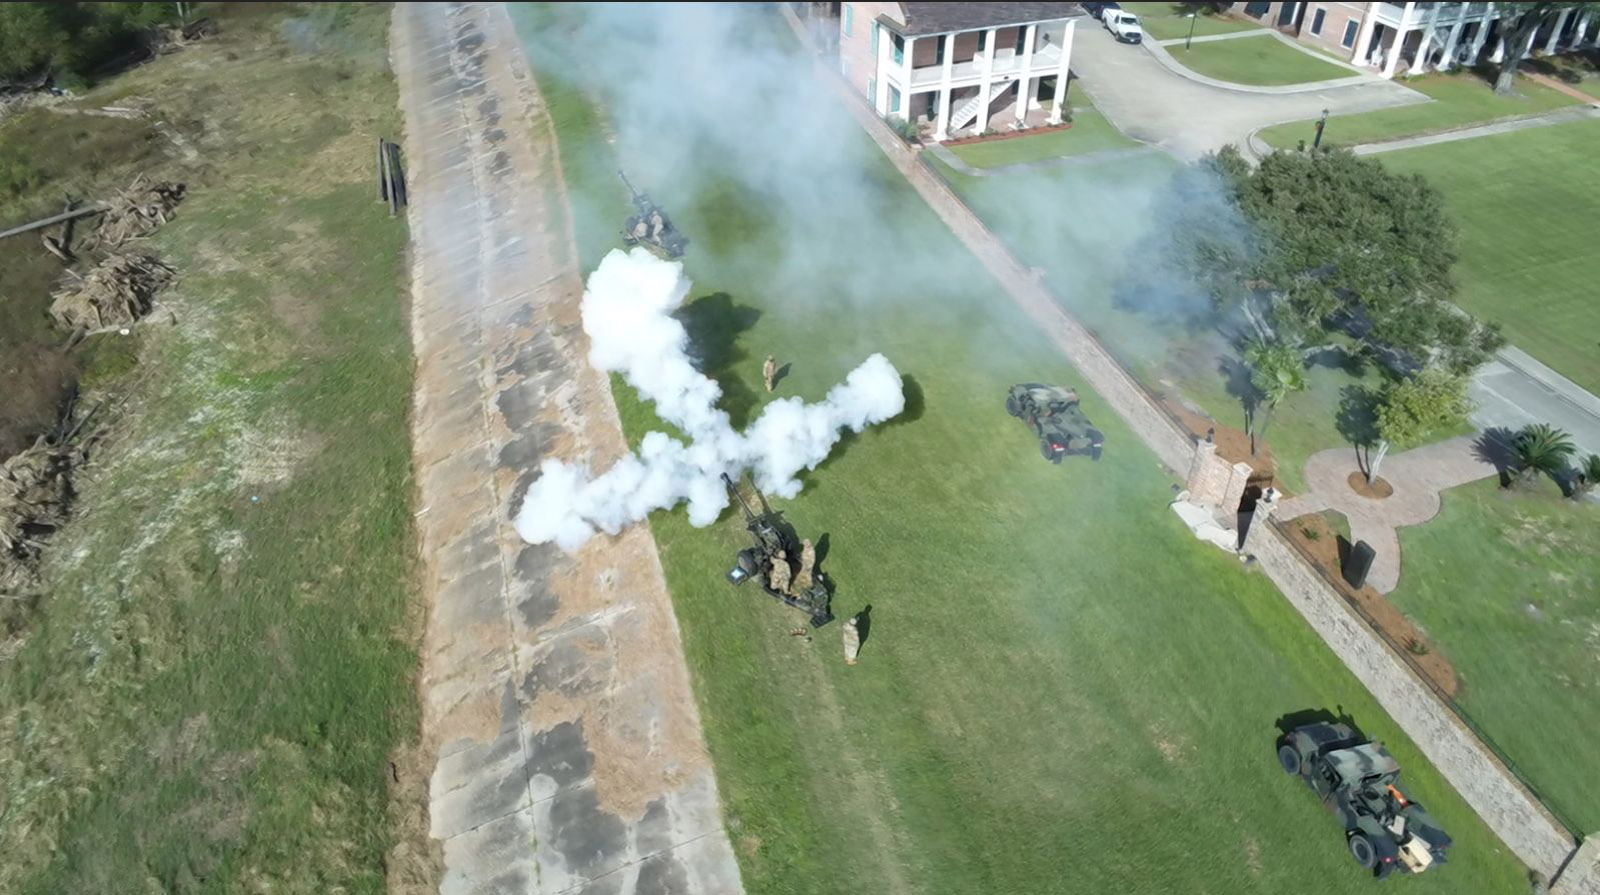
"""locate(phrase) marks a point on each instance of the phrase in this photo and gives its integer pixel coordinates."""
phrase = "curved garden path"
(1417, 476)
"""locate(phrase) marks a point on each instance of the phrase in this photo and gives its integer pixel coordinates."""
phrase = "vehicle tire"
(1011, 405)
(1048, 451)
(1289, 758)
(1361, 849)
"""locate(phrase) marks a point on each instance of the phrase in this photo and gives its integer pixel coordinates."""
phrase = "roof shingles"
(938, 18)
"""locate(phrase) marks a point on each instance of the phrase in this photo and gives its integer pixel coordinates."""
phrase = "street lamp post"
(1321, 123)
(1190, 39)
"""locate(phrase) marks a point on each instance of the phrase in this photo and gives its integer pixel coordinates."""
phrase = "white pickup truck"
(1124, 26)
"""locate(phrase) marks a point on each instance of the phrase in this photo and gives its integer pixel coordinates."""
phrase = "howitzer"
(650, 227)
(777, 542)
(640, 200)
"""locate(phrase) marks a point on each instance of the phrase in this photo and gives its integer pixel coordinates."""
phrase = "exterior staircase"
(968, 110)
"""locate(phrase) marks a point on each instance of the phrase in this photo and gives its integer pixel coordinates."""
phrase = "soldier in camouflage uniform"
(769, 372)
(852, 641)
(808, 560)
(780, 572)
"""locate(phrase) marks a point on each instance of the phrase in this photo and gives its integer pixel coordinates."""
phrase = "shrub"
(905, 130)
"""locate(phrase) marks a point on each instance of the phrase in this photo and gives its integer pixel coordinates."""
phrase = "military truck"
(651, 227)
(1055, 417)
(1360, 783)
(772, 534)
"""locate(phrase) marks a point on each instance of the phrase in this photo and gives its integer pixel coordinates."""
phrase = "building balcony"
(1437, 14)
(1006, 63)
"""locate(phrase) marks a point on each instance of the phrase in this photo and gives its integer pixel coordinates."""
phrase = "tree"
(1519, 24)
(1410, 410)
(71, 37)
(1276, 372)
(1540, 448)
(1306, 245)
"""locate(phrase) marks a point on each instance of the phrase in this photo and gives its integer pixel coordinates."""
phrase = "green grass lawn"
(1087, 257)
(1528, 218)
(1090, 132)
(1461, 99)
(208, 696)
(1506, 583)
(1259, 60)
(1061, 691)
(1169, 27)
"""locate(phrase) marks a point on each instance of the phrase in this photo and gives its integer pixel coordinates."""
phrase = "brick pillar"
(1233, 491)
(1203, 453)
(1582, 874)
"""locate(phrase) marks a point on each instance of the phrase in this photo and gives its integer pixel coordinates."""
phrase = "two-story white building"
(960, 68)
(1411, 38)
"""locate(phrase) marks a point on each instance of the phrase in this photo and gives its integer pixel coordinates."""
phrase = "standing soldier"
(808, 559)
(852, 641)
(780, 573)
(769, 372)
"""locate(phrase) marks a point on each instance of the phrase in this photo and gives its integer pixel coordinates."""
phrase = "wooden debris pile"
(35, 497)
(115, 293)
(137, 211)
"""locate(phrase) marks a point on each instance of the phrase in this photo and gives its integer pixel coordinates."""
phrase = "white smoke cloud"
(627, 312)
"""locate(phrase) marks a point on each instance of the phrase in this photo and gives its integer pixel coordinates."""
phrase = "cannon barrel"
(733, 489)
(634, 192)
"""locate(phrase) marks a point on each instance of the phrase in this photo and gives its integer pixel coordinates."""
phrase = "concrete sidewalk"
(1515, 389)
(944, 154)
(555, 695)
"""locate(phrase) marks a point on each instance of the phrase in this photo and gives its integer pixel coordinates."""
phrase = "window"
(850, 24)
(894, 100)
(1256, 10)
(938, 48)
(874, 41)
(1350, 29)
(899, 50)
(1022, 39)
(1316, 21)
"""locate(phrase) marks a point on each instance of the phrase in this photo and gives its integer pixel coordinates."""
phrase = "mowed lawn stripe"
(1529, 216)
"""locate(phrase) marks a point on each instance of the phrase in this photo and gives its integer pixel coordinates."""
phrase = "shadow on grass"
(1288, 722)
(714, 323)
(1577, 65)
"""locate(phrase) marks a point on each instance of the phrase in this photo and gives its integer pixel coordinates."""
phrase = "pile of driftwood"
(115, 293)
(137, 211)
(35, 498)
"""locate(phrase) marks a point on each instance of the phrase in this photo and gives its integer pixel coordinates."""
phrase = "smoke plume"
(627, 312)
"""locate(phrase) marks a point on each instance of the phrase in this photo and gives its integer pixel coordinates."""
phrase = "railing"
(1400, 650)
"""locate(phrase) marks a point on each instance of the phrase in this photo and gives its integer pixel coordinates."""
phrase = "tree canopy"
(1306, 245)
(71, 37)
(1519, 23)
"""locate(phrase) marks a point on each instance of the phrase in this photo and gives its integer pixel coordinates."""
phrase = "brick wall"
(857, 62)
(1335, 18)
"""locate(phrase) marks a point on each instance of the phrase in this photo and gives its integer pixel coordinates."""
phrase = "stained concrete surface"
(556, 697)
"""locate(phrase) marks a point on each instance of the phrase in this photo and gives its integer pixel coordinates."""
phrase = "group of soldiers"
(796, 583)
(649, 228)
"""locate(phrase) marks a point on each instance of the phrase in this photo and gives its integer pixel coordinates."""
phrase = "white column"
(1555, 33)
(942, 130)
(1579, 31)
(981, 123)
(1369, 21)
(1448, 60)
(1482, 36)
(1063, 71)
(1023, 94)
(1393, 59)
(885, 48)
(1499, 54)
(905, 82)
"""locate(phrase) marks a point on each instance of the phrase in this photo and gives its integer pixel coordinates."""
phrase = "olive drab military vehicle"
(651, 227)
(776, 542)
(1055, 417)
(1360, 783)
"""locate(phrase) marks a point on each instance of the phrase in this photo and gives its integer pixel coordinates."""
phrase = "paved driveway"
(1152, 103)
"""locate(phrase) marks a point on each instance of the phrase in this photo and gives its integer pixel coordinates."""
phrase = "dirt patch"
(1009, 135)
(38, 378)
(1233, 445)
(412, 865)
(1252, 855)
(1376, 489)
(1318, 540)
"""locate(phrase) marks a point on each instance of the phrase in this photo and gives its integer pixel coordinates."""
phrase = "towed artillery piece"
(1052, 412)
(777, 542)
(1360, 783)
(651, 227)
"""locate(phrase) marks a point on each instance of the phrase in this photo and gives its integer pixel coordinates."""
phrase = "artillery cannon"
(651, 227)
(773, 534)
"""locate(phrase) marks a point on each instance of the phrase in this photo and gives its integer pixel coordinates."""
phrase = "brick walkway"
(1560, 87)
(1417, 476)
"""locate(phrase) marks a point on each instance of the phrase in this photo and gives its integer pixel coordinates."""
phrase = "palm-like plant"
(1541, 448)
